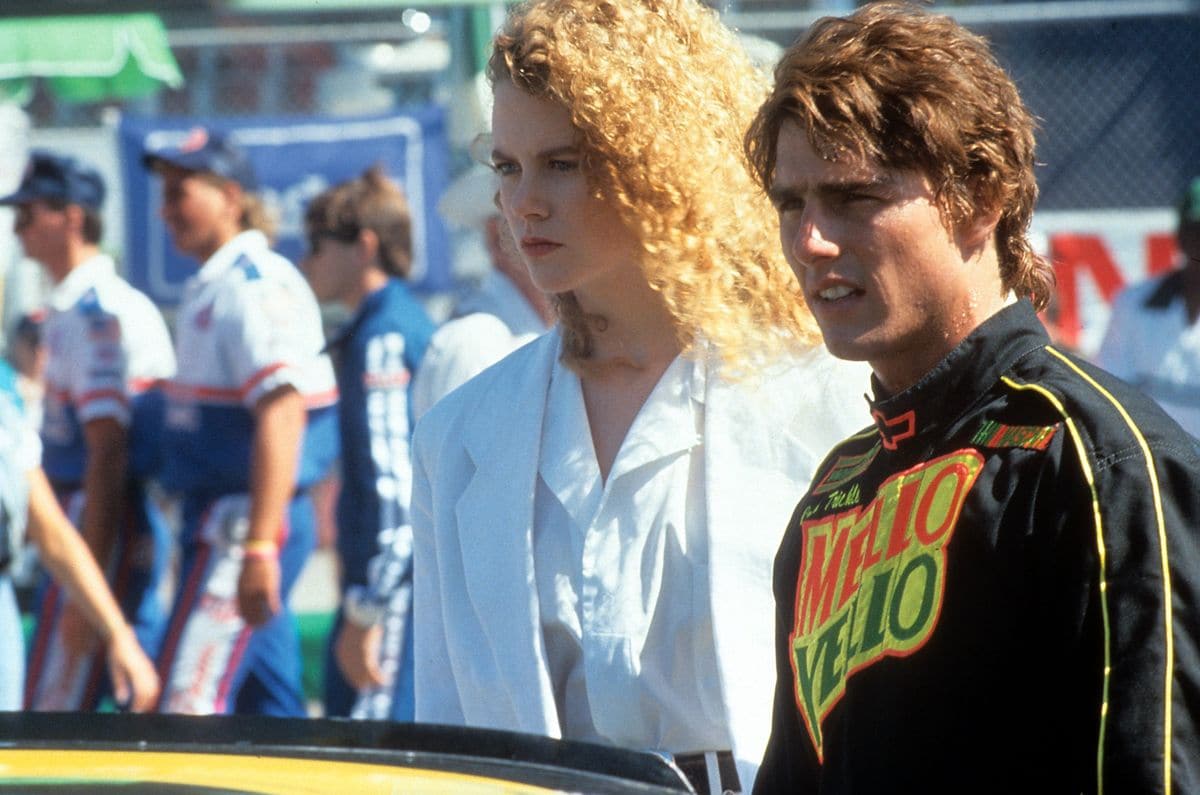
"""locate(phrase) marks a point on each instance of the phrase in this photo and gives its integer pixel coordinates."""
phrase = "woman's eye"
(504, 168)
(564, 165)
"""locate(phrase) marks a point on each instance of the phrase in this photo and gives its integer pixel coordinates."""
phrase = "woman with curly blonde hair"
(595, 517)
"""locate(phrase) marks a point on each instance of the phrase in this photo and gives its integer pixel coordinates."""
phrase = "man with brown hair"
(993, 588)
(250, 426)
(107, 351)
(360, 251)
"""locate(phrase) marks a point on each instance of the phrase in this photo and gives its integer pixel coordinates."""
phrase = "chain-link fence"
(1116, 86)
(1119, 103)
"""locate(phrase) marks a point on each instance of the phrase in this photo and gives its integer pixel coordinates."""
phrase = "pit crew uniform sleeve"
(266, 341)
(385, 393)
(99, 382)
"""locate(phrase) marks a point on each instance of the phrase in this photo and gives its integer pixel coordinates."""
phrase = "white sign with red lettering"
(1095, 255)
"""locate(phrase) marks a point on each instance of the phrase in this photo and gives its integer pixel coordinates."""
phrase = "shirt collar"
(67, 292)
(223, 258)
(960, 378)
(667, 424)
(371, 304)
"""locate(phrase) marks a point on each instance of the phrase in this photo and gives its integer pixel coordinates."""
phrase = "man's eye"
(857, 198)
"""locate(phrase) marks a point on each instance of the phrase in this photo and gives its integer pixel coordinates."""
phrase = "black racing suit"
(995, 589)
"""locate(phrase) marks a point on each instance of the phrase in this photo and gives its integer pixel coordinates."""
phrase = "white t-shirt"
(107, 345)
(1150, 344)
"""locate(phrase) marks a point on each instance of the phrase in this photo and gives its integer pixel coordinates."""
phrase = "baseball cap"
(52, 177)
(208, 151)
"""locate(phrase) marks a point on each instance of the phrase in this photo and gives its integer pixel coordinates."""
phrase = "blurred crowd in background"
(298, 107)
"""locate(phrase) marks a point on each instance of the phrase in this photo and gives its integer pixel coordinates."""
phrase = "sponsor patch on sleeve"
(845, 469)
(998, 435)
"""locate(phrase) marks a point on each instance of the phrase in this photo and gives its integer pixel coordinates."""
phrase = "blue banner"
(294, 160)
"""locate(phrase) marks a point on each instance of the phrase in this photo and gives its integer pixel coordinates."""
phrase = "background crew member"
(107, 350)
(250, 425)
(360, 250)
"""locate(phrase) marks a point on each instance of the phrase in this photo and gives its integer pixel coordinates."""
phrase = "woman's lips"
(538, 246)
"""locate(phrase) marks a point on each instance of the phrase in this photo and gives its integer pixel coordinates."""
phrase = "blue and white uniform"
(108, 351)
(247, 325)
(376, 355)
(19, 453)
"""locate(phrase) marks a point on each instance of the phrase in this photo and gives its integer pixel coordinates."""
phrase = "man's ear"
(75, 215)
(976, 232)
(367, 246)
(233, 197)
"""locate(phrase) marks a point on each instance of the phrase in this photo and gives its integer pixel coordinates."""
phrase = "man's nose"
(811, 239)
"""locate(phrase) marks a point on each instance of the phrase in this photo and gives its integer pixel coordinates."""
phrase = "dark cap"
(51, 177)
(207, 151)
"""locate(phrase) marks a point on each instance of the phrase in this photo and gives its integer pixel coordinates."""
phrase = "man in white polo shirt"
(251, 424)
(107, 350)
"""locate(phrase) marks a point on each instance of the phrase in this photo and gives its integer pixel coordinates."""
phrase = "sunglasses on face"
(347, 235)
(26, 211)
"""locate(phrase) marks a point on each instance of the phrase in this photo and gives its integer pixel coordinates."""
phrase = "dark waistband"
(696, 768)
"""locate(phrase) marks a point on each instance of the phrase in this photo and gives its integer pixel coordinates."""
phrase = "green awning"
(86, 58)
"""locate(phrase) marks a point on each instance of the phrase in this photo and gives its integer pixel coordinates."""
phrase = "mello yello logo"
(871, 580)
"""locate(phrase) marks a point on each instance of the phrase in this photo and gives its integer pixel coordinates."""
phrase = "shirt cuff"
(360, 610)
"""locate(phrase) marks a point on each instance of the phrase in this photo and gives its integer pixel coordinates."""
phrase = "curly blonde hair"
(914, 90)
(661, 93)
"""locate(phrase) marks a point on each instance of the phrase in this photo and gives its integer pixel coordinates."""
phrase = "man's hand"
(279, 427)
(258, 589)
(134, 680)
(357, 653)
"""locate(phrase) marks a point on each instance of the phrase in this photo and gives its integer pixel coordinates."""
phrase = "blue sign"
(294, 160)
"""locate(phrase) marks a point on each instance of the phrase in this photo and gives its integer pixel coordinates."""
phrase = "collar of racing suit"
(959, 379)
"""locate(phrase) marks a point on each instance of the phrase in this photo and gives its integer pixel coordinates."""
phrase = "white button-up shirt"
(622, 572)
